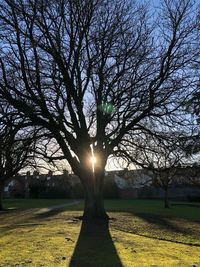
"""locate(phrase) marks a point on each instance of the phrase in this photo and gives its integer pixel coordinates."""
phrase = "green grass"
(154, 207)
(131, 206)
(141, 233)
(32, 203)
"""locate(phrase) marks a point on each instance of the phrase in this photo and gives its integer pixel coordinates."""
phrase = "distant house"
(133, 179)
(38, 185)
(137, 183)
(129, 182)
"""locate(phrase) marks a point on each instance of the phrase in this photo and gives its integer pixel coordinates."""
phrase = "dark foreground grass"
(140, 233)
(190, 211)
(32, 203)
(185, 210)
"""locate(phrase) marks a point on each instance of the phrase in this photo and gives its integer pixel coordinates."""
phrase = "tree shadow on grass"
(164, 223)
(29, 218)
(95, 247)
(46, 213)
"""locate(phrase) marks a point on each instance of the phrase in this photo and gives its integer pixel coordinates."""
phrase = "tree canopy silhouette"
(92, 72)
(16, 147)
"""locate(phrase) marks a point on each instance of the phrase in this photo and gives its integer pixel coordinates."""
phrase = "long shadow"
(46, 213)
(95, 247)
(29, 221)
(163, 223)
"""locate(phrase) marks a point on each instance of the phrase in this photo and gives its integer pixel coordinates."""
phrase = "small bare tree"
(161, 154)
(165, 164)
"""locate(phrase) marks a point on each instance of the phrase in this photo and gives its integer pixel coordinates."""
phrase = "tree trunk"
(94, 202)
(166, 198)
(1, 195)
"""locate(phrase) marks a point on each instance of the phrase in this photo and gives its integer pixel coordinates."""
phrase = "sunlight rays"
(93, 159)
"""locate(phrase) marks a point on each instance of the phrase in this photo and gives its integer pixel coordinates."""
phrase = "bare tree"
(90, 72)
(162, 154)
(165, 164)
(16, 149)
(193, 174)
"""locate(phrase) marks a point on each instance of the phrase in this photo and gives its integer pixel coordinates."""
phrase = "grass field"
(33, 203)
(140, 233)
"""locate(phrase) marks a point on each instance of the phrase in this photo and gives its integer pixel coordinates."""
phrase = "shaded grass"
(32, 203)
(95, 243)
(169, 229)
(148, 218)
(153, 207)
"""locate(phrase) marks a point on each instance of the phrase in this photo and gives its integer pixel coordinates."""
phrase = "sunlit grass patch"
(54, 240)
(43, 237)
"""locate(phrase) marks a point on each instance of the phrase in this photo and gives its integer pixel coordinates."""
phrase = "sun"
(93, 160)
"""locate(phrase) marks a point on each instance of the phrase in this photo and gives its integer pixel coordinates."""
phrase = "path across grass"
(140, 233)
